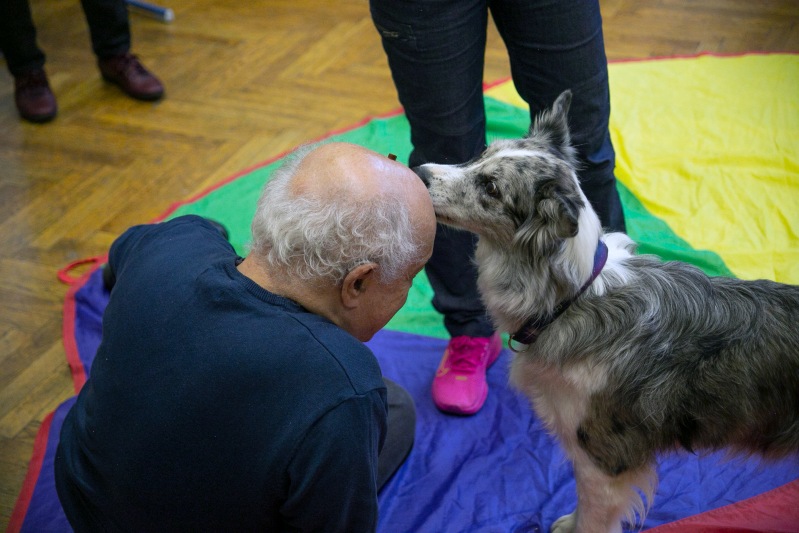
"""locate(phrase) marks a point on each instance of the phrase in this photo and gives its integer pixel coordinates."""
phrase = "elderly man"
(234, 394)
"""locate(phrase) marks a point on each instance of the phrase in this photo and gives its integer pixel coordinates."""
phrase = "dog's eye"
(491, 189)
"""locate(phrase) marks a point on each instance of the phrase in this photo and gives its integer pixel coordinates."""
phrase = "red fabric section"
(68, 322)
(65, 274)
(775, 511)
(34, 467)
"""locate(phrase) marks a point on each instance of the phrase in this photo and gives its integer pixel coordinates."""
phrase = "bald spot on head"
(341, 169)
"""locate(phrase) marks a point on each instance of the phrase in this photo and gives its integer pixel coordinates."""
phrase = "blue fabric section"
(496, 471)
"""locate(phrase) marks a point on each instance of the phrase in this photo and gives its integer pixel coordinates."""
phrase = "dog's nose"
(424, 174)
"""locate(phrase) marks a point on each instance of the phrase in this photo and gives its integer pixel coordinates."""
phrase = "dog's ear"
(553, 125)
(555, 218)
(560, 212)
(562, 104)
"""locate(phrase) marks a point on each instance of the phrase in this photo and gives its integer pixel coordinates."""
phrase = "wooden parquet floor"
(246, 80)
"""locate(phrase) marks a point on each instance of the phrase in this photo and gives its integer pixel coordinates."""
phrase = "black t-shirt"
(215, 405)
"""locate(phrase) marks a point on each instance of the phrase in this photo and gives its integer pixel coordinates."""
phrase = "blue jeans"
(436, 52)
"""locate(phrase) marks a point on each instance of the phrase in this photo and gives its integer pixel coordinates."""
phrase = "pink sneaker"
(460, 384)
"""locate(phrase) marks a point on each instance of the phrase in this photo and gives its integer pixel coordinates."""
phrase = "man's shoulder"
(185, 236)
(186, 226)
(343, 354)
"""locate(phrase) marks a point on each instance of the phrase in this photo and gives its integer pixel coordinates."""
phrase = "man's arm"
(127, 241)
(117, 252)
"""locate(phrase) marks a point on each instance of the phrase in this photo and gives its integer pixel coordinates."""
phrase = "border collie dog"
(623, 356)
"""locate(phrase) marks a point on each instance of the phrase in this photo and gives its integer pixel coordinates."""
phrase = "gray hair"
(314, 239)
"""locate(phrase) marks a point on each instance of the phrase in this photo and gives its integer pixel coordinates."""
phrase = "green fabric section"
(233, 204)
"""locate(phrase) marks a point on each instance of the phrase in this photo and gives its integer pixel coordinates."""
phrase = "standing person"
(436, 53)
(236, 394)
(110, 36)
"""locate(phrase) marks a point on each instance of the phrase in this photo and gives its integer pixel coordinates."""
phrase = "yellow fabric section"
(710, 145)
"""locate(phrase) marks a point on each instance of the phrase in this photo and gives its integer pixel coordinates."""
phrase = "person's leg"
(436, 54)
(554, 46)
(18, 37)
(25, 61)
(401, 432)
(109, 27)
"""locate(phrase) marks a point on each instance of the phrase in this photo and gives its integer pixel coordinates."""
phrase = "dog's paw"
(564, 524)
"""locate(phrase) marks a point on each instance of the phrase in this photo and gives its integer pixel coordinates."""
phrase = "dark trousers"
(108, 26)
(436, 52)
(401, 432)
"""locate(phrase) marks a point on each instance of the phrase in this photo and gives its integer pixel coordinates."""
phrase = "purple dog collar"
(531, 329)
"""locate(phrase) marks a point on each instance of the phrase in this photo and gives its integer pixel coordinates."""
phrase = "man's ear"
(356, 282)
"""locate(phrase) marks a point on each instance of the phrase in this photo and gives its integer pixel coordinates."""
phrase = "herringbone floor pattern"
(245, 82)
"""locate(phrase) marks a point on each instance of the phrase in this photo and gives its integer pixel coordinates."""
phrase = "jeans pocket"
(394, 34)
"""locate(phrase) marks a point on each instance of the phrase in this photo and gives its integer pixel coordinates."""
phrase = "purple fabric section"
(44, 512)
(496, 471)
(90, 302)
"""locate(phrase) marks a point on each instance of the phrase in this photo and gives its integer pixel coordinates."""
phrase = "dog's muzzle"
(424, 174)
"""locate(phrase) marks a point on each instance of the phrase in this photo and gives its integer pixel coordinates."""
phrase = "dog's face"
(516, 188)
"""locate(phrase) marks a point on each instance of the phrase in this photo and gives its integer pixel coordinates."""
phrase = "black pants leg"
(108, 26)
(401, 432)
(18, 37)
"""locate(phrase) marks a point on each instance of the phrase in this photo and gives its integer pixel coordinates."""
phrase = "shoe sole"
(135, 96)
(40, 119)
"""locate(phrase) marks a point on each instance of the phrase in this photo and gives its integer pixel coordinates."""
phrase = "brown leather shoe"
(129, 74)
(35, 101)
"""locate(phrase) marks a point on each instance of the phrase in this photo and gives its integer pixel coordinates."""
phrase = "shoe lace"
(466, 354)
(130, 62)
